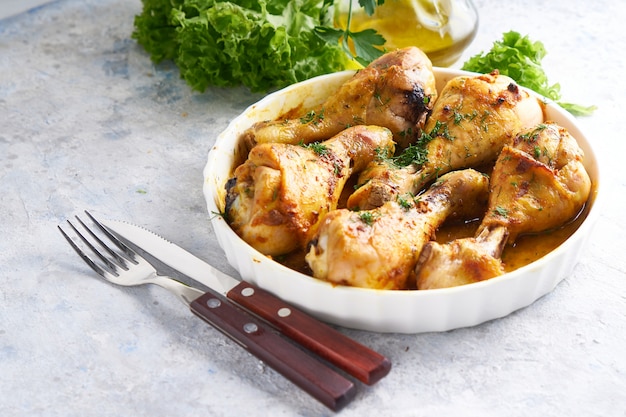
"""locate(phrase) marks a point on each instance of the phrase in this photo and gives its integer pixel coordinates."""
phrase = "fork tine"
(120, 259)
(124, 248)
(107, 261)
(80, 253)
(112, 265)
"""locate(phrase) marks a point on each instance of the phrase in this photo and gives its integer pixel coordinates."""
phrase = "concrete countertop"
(88, 122)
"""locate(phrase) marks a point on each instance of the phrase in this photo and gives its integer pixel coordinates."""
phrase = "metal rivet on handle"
(284, 312)
(247, 292)
(213, 303)
(250, 328)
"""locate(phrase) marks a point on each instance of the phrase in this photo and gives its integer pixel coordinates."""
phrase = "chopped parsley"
(319, 148)
(417, 153)
(501, 211)
(312, 117)
(459, 117)
(533, 134)
(404, 203)
(383, 153)
(368, 217)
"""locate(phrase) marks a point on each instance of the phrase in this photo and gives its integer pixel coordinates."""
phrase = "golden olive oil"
(440, 28)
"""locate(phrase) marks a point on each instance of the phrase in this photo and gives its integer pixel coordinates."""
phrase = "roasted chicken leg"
(378, 248)
(461, 261)
(471, 121)
(276, 198)
(538, 183)
(395, 91)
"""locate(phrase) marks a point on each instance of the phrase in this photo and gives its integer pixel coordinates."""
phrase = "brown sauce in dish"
(527, 248)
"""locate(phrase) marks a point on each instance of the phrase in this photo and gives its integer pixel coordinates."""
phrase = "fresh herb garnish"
(318, 148)
(404, 203)
(223, 215)
(533, 134)
(366, 42)
(368, 217)
(520, 58)
(383, 153)
(312, 117)
(459, 117)
(501, 211)
(416, 153)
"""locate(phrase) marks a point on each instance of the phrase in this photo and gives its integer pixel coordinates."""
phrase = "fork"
(119, 264)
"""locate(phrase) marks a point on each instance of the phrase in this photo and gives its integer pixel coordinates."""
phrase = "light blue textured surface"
(88, 122)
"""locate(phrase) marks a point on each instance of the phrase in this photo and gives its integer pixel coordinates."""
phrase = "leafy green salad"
(262, 44)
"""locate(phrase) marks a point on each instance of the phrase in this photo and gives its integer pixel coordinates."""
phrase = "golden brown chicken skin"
(378, 248)
(461, 261)
(538, 183)
(277, 197)
(395, 91)
(471, 121)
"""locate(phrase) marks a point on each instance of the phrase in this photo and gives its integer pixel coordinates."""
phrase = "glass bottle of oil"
(440, 28)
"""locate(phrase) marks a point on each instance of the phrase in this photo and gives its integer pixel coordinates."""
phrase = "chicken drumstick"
(379, 248)
(538, 183)
(471, 121)
(395, 91)
(276, 198)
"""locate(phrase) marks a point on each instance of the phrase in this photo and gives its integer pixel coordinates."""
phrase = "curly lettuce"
(262, 44)
(520, 58)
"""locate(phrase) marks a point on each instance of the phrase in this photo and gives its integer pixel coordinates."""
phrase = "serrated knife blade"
(347, 354)
(174, 256)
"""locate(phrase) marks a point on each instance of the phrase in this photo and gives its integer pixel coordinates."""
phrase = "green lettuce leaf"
(520, 58)
(262, 44)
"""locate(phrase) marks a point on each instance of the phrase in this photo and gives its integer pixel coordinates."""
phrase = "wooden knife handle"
(363, 363)
(310, 374)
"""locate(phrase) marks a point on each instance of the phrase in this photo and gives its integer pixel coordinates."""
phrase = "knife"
(128, 268)
(363, 363)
